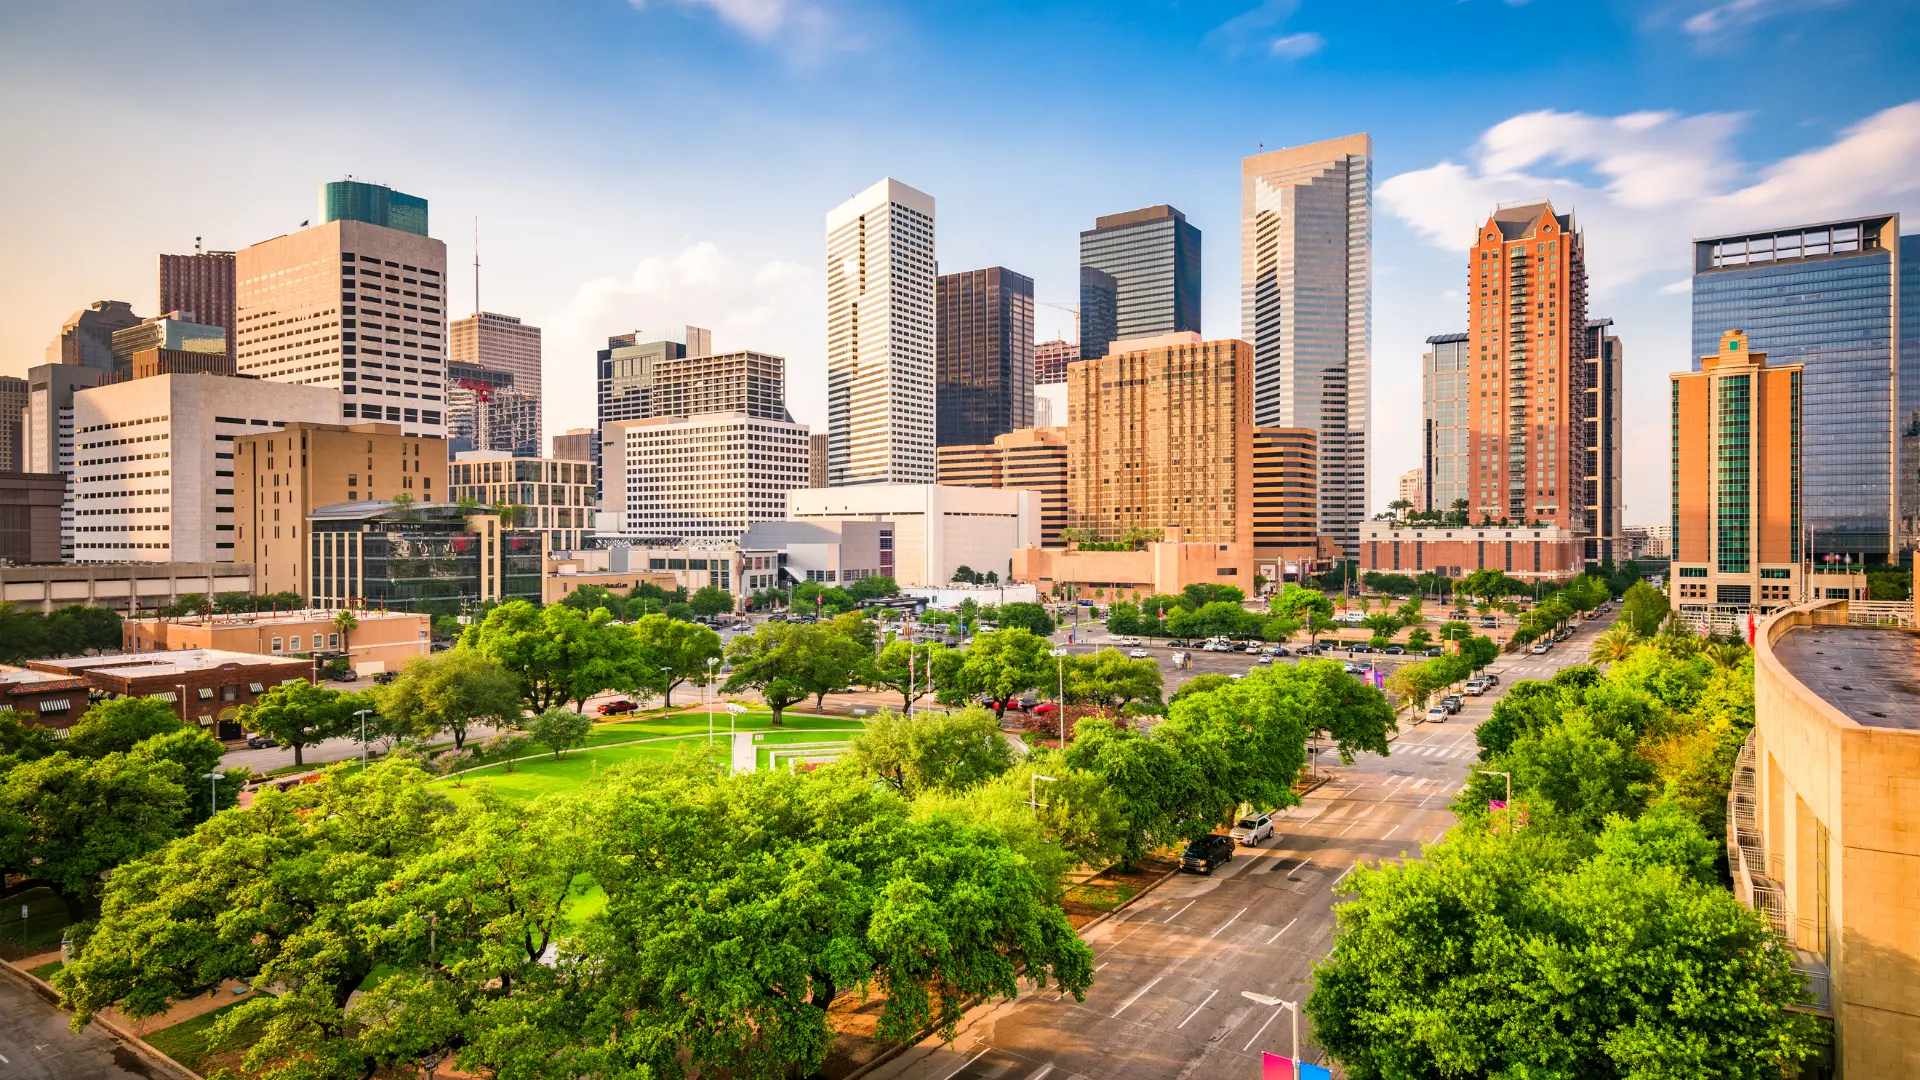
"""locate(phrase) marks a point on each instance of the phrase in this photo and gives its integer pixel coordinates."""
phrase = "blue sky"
(646, 165)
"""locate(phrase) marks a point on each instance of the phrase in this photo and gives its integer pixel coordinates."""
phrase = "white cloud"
(1296, 46)
(797, 27)
(1643, 182)
(1735, 15)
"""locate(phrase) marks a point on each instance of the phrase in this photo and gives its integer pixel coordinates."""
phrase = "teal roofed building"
(375, 204)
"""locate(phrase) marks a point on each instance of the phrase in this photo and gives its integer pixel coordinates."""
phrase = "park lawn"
(187, 1042)
(773, 740)
(534, 777)
(45, 923)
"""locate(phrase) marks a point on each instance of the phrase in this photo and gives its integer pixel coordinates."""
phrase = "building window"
(333, 640)
(276, 645)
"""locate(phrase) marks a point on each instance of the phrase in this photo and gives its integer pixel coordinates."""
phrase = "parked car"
(1476, 687)
(1432, 651)
(1453, 703)
(1044, 708)
(1353, 668)
(1541, 648)
(261, 742)
(1263, 659)
(1139, 654)
(1177, 643)
(1278, 650)
(1491, 678)
(1458, 613)
(1204, 854)
(1251, 830)
(385, 677)
(1394, 650)
(616, 707)
(1239, 646)
(349, 675)
(1437, 714)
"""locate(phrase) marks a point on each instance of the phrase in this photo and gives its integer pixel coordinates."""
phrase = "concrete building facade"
(936, 528)
(355, 307)
(283, 475)
(1821, 833)
(983, 355)
(818, 445)
(1527, 280)
(1736, 492)
(127, 587)
(880, 337)
(1050, 360)
(1413, 489)
(1446, 413)
(705, 477)
(30, 517)
(499, 342)
(154, 467)
(1600, 394)
(1030, 458)
(1161, 567)
(556, 495)
(13, 416)
(47, 428)
(382, 640)
(1306, 295)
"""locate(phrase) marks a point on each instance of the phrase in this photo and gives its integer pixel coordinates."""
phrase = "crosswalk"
(1432, 751)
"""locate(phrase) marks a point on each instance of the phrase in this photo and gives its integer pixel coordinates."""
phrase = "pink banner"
(1275, 1067)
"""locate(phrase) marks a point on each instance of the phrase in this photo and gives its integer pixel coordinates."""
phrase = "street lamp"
(213, 791)
(1060, 661)
(1293, 1068)
(362, 714)
(1509, 776)
(1033, 790)
(706, 691)
(734, 711)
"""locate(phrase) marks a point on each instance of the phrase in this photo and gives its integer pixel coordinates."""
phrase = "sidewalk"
(744, 758)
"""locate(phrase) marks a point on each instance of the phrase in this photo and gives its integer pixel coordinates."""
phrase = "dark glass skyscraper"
(1826, 296)
(1099, 293)
(1153, 255)
(983, 355)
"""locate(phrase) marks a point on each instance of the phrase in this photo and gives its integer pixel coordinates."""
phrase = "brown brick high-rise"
(202, 283)
(1527, 290)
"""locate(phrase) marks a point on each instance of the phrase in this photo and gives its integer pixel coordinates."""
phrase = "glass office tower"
(1827, 296)
(1153, 255)
(983, 355)
(1447, 390)
(375, 204)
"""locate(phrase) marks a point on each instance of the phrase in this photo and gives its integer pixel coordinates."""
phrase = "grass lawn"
(46, 921)
(534, 777)
(45, 971)
(187, 1041)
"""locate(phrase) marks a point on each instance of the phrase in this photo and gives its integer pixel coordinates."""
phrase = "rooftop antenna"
(476, 264)
(196, 245)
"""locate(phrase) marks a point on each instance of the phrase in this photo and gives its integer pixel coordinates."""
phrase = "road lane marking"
(1197, 1008)
(1282, 930)
(1136, 996)
(1182, 911)
(1348, 829)
(1229, 922)
(1262, 1031)
(969, 1061)
(1096, 970)
(1343, 876)
(1044, 1070)
(1391, 831)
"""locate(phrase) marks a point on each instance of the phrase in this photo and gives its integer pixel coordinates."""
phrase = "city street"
(36, 1044)
(1183, 977)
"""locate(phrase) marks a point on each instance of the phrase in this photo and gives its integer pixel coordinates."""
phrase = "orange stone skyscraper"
(1527, 299)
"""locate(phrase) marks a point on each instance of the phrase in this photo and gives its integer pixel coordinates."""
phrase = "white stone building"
(936, 528)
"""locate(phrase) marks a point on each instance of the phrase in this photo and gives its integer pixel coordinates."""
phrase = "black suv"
(1206, 853)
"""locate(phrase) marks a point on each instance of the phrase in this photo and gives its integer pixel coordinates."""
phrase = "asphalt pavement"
(1184, 978)
(35, 1043)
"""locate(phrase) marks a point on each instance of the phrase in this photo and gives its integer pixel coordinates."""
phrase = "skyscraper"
(1737, 480)
(203, 284)
(1446, 387)
(13, 436)
(374, 204)
(1598, 389)
(46, 429)
(86, 338)
(625, 380)
(1527, 338)
(1050, 360)
(1827, 296)
(983, 355)
(1306, 288)
(1153, 256)
(354, 306)
(1099, 312)
(501, 343)
(880, 337)
(175, 331)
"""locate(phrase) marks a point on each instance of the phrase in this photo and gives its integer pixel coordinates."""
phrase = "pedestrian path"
(744, 757)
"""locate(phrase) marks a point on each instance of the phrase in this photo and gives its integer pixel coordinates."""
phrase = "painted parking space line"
(1282, 930)
(1230, 922)
(1137, 995)
(1197, 1008)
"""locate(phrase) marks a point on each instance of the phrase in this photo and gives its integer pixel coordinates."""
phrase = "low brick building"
(383, 640)
(208, 686)
(42, 697)
(1527, 552)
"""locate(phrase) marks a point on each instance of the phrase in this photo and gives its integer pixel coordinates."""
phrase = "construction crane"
(1073, 309)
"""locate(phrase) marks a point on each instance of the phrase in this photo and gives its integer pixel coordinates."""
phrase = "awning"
(256, 688)
(165, 695)
(55, 704)
(206, 694)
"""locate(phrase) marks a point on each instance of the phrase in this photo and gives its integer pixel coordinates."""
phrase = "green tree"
(1507, 956)
(119, 724)
(300, 714)
(904, 668)
(68, 820)
(82, 628)
(711, 600)
(777, 659)
(23, 633)
(672, 652)
(1033, 618)
(1109, 679)
(559, 730)
(1123, 618)
(877, 587)
(24, 741)
(448, 691)
(559, 653)
(346, 622)
(1644, 608)
(1002, 664)
(931, 751)
(195, 754)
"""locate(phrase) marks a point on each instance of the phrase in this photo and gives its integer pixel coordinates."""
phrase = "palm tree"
(345, 621)
(1616, 644)
(1726, 654)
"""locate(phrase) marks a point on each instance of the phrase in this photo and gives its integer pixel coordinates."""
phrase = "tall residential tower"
(1306, 273)
(880, 337)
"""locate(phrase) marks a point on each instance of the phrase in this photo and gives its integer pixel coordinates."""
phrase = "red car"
(1044, 708)
(617, 706)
